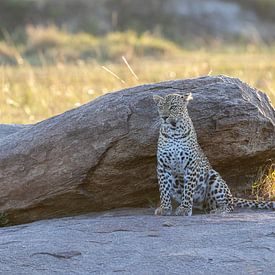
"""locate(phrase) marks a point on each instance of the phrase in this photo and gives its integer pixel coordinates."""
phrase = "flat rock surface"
(136, 242)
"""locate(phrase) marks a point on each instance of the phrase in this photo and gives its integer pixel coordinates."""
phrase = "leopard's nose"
(164, 118)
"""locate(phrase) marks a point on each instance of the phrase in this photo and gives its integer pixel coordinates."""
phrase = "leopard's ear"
(187, 97)
(158, 99)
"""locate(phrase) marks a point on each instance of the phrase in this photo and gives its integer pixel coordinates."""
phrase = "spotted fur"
(184, 172)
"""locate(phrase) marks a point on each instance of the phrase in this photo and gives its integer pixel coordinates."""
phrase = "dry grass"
(3, 219)
(264, 186)
(48, 44)
(29, 94)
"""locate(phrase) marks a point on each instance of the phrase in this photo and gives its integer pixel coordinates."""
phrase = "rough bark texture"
(102, 154)
(136, 242)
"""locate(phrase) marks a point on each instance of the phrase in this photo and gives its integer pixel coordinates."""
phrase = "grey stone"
(102, 154)
(9, 129)
(136, 242)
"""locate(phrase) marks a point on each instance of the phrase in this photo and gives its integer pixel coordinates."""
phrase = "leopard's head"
(175, 120)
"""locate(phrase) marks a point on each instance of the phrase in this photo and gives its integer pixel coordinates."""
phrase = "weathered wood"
(102, 154)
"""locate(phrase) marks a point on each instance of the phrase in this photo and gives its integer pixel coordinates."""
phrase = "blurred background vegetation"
(59, 54)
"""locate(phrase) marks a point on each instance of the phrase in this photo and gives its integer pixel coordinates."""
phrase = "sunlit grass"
(29, 94)
(264, 185)
(49, 44)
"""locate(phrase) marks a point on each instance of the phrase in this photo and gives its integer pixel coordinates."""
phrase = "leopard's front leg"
(186, 205)
(165, 181)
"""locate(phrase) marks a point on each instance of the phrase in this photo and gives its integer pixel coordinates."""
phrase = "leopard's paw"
(182, 211)
(163, 211)
(220, 211)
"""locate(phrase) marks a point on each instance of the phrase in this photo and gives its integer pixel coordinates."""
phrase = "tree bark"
(102, 155)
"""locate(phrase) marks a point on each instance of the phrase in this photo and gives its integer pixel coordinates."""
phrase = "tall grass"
(264, 185)
(32, 93)
(40, 44)
(50, 70)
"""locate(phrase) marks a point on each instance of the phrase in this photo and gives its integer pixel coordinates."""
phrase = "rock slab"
(102, 155)
(137, 242)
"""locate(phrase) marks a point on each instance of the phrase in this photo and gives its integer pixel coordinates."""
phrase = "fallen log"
(102, 155)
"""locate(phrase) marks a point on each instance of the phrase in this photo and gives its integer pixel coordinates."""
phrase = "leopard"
(184, 173)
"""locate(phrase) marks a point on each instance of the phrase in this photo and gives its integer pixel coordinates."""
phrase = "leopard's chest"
(175, 155)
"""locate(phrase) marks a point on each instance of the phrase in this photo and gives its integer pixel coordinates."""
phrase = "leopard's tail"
(243, 203)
